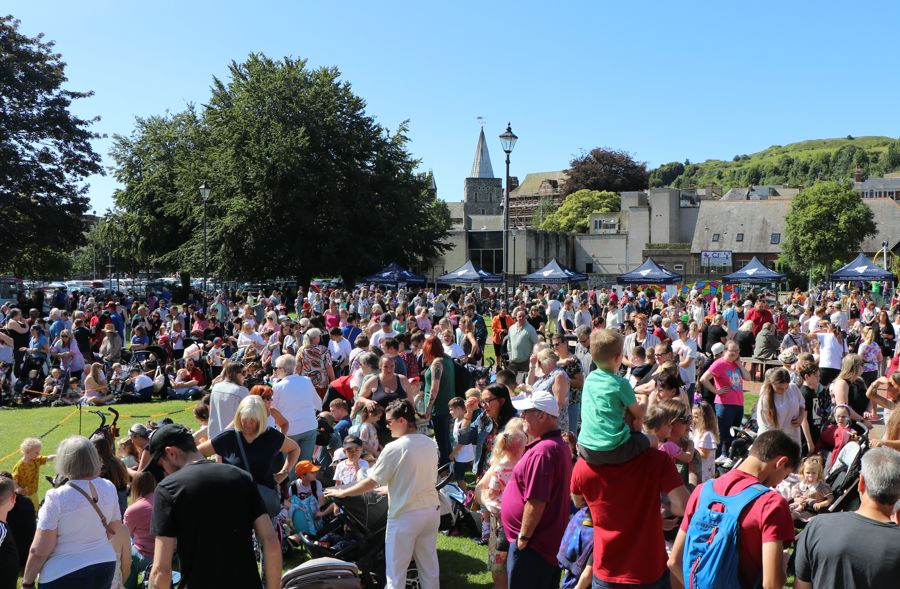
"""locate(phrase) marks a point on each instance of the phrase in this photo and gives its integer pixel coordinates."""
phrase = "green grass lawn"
(463, 563)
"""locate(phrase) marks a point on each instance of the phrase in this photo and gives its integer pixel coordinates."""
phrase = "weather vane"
(481, 120)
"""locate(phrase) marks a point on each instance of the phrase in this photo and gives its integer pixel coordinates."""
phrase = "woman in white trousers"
(408, 467)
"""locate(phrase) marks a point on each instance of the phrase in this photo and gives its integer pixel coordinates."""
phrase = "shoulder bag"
(268, 494)
(109, 531)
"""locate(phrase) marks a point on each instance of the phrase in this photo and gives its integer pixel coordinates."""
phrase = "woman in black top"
(261, 444)
(387, 386)
(745, 339)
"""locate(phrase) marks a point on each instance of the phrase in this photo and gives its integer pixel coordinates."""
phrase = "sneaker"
(729, 463)
(721, 460)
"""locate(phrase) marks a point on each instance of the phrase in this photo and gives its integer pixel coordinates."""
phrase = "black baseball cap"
(168, 435)
(352, 440)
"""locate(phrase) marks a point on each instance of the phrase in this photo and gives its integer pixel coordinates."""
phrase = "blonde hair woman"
(555, 381)
(255, 447)
(870, 352)
(849, 389)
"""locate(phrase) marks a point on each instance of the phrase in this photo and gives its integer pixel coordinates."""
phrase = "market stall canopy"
(649, 273)
(394, 273)
(755, 272)
(469, 273)
(862, 268)
(554, 273)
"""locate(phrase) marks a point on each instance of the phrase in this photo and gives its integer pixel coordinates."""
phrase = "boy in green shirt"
(611, 417)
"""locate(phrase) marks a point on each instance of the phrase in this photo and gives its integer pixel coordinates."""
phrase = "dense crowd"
(600, 435)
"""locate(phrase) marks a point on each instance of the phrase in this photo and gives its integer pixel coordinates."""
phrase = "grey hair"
(881, 472)
(77, 459)
(288, 362)
(310, 335)
(369, 359)
(582, 331)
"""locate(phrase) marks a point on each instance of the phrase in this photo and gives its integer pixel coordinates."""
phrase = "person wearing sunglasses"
(408, 468)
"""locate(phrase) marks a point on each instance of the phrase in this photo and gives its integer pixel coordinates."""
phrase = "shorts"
(636, 444)
(460, 469)
(498, 546)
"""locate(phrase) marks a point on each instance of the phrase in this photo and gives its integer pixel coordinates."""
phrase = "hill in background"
(795, 164)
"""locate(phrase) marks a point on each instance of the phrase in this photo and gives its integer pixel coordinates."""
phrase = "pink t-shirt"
(727, 375)
(137, 519)
(671, 448)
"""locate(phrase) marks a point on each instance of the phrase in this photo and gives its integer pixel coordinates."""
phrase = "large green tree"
(45, 154)
(574, 214)
(303, 181)
(826, 223)
(605, 169)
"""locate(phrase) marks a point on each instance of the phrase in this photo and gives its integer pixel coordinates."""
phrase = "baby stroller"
(455, 516)
(322, 573)
(356, 535)
(843, 475)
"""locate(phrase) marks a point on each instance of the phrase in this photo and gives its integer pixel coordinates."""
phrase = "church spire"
(481, 167)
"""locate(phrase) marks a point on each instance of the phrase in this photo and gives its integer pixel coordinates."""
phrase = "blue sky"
(663, 80)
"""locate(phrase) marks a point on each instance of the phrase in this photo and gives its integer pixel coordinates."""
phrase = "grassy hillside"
(794, 164)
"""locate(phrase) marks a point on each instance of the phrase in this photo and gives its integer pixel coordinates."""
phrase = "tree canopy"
(300, 176)
(574, 214)
(45, 154)
(826, 223)
(605, 169)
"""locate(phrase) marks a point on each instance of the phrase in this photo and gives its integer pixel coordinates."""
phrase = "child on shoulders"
(610, 414)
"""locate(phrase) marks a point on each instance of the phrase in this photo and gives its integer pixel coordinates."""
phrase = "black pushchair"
(322, 573)
(356, 534)
(843, 475)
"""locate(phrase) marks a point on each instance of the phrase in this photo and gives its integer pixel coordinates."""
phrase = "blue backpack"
(711, 546)
(576, 547)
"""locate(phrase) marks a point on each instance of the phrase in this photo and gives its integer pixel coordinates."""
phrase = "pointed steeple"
(481, 167)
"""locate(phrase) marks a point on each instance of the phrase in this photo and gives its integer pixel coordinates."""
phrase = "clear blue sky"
(663, 80)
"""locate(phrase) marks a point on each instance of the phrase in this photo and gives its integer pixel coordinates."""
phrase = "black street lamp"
(508, 142)
(204, 194)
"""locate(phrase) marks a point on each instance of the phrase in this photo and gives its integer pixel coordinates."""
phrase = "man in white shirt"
(297, 400)
(553, 308)
(386, 330)
(685, 350)
(339, 347)
(839, 318)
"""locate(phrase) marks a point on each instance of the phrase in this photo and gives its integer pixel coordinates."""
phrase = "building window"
(715, 237)
(776, 239)
(589, 268)
(597, 224)
(739, 237)
(678, 267)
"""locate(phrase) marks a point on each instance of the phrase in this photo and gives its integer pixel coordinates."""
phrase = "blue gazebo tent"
(554, 273)
(862, 268)
(394, 273)
(469, 273)
(649, 273)
(755, 272)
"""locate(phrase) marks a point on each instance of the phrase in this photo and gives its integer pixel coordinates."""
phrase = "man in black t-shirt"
(862, 548)
(209, 510)
(213, 330)
(715, 334)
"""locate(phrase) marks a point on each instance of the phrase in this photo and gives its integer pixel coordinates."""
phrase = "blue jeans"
(662, 583)
(307, 443)
(574, 416)
(528, 570)
(442, 435)
(184, 393)
(728, 416)
(95, 576)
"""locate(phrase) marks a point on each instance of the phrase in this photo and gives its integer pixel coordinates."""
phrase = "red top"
(767, 519)
(624, 500)
(759, 319)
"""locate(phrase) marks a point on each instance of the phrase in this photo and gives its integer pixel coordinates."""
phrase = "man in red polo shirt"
(766, 525)
(629, 548)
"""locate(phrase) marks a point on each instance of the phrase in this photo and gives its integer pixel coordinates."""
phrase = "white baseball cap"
(542, 401)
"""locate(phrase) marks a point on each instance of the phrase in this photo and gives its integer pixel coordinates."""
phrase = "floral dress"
(546, 384)
(313, 360)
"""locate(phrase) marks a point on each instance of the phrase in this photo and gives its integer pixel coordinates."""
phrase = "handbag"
(269, 495)
(109, 531)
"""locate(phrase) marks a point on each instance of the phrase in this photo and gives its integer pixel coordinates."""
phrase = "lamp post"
(514, 232)
(204, 194)
(508, 142)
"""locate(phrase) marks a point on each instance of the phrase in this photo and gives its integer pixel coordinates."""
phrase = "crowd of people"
(599, 438)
